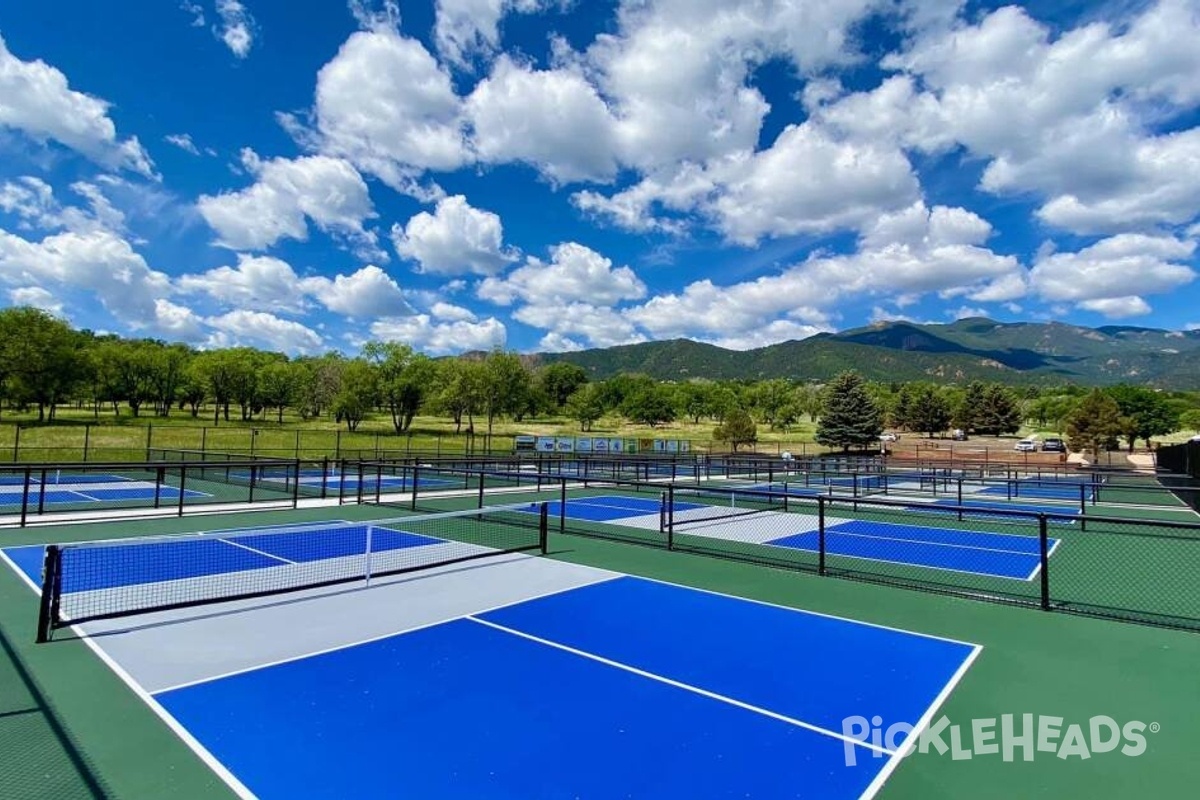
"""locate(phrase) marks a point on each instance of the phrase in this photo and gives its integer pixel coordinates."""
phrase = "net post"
(544, 528)
(481, 486)
(670, 510)
(562, 505)
(378, 473)
(25, 493)
(820, 535)
(42, 494)
(324, 476)
(340, 470)
(51, 583)
(1044, 553)
(296, 481)
(158, 482)
(960, 499)
(662, 512)
(416, 475)
(182, 486)
(367, 553)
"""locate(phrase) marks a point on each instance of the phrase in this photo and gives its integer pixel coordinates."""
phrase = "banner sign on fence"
(618, 446)
(524, 442)
(583, 444)
(566, 444)
(599, 445)
(546, 444)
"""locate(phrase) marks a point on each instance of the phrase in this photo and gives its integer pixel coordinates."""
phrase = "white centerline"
(685, 686)
(257, 551)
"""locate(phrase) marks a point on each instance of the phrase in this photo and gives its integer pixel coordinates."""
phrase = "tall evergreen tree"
(1094, 423)
(902, 409)
(999, 413)
(929, 412)
(851, 417)
(969, 412)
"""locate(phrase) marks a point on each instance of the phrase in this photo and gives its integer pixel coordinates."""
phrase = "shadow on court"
(37, 756)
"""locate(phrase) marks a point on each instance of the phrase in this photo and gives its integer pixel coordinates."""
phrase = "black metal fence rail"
(87, 491)
(1111, 567)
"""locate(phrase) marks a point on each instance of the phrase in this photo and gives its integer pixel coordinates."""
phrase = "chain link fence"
(1078, 545)
(100, 442)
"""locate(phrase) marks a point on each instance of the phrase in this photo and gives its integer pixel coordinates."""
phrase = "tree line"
(45, 363)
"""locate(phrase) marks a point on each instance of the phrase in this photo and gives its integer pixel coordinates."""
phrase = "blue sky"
(552, 175)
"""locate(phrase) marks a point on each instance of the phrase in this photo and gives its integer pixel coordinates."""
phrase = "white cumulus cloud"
(237, 28)
(286, 194)
(552, 119)
(96, 261)
(37, 297)
(261, 329)
(440, 337)
(465, 28)
(456, 239)
(36, 99)
(365, 294)
(575, 273)
(385, 104)
(1112, 275)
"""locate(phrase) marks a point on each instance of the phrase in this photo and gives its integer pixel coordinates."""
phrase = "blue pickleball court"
(623, 688)
(84, 489)
(516, 677)
(998, 555)
(612, 508)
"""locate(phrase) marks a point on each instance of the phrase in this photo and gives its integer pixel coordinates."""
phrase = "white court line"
(1049, 553)
(257, 551)
(923, 723)
(833, 529)
(382, 636)
(685, 686)
(803, 611)
(902, 563)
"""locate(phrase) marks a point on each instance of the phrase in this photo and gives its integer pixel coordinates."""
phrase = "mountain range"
(1044, 353)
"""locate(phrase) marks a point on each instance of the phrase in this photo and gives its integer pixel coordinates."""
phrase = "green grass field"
(78, 434)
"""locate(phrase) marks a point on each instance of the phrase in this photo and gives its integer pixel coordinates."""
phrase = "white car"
(889, 437)
(1026, 446)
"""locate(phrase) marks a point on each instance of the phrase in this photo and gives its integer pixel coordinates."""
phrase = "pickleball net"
(88, 581)
(693, 506)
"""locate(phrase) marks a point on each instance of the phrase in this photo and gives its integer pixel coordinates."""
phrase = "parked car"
(889, 437)
(1026, 446)
(958, 435)
(1054, 445)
